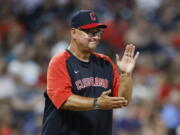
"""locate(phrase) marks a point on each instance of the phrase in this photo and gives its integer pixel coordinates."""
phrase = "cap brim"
(93, 25)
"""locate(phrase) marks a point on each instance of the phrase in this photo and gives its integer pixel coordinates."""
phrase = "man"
(83, 87)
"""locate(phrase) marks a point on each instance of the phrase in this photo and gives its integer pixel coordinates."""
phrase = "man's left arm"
(125, 88)
(126, 66)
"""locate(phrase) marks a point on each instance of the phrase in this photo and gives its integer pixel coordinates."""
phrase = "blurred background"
(32, 31)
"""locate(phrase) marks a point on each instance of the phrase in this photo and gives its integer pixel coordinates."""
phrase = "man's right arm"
(105, 102)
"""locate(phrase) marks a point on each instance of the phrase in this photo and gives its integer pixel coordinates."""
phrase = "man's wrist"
(125, 74)
(95, 104)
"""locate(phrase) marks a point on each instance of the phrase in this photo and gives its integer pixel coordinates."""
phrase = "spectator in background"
(26, 69)
(7, 84)
(170, 113)
(115, 34)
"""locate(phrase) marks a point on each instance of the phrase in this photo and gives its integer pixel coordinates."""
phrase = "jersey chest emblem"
(91, 82)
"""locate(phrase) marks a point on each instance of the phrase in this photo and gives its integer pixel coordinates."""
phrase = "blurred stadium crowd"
(32, 31)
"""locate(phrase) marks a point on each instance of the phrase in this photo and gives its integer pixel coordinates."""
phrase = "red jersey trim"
(59, 86)
(116, 79)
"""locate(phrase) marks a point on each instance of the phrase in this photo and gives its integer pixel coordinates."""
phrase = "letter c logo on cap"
(92, 15)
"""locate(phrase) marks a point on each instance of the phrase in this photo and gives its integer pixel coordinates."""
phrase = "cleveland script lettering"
(91, 81)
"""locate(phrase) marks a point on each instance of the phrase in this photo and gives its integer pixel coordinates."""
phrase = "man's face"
(87, 39)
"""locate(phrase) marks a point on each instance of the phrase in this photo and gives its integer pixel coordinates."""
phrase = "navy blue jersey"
(68, 75)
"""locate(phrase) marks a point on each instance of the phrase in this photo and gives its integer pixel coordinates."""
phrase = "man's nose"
(97, 37)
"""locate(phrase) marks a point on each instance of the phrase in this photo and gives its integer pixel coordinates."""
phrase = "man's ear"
(73, 33)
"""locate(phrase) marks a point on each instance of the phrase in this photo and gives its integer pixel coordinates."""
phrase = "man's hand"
(106, 102)
(127, 63)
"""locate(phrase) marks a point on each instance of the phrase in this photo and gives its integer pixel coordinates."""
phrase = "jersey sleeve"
(59, 86)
